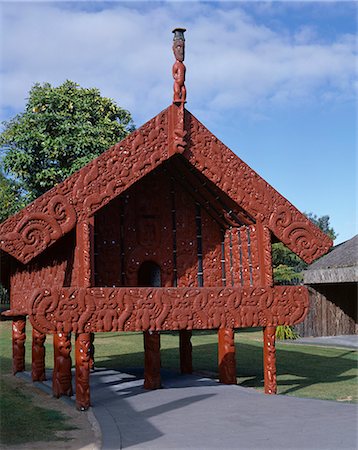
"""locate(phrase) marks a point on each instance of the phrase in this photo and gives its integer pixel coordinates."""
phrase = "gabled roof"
(340, 265)
(173, 131)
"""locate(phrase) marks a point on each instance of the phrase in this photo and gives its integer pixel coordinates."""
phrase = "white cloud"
(232, 61)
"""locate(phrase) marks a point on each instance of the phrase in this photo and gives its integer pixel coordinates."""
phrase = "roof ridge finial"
(179, 67)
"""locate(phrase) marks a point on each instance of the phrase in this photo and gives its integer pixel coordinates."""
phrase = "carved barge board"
(84, 310)
(28, 233)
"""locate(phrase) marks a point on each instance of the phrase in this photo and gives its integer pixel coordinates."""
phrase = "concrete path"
(346, 341)
(198, 413)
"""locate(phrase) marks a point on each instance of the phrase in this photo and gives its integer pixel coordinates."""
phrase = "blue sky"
(275, 81)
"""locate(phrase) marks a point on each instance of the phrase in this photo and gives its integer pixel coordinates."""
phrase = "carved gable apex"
(252, 193)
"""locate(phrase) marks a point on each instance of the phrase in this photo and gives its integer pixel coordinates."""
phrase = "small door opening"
(149, 275)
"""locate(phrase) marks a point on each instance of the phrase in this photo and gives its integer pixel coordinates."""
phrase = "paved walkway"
(346, 341)
(198, 413)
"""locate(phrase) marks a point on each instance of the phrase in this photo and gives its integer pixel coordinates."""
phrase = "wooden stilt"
(186, 350)
(62, 376)
(38, 356)
(151, 360)
(92, 351)
(18, 344)
(227, 363)
(270, 360)
(83, 346)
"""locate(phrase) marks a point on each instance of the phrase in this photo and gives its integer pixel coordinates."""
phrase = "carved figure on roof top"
(179, 68)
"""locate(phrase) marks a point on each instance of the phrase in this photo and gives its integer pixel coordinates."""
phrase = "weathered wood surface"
(333, 311)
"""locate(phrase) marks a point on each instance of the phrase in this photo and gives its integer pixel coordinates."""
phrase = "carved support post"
(84, 341)
(151, 360)
(92, 351)
(18, 344)
(38, 356)
(186, 350)
(270, 360)
(85, 256)
(227, 363)
(62, 376)
(83, 345)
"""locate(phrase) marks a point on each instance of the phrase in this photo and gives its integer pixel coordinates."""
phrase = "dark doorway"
(149, 275)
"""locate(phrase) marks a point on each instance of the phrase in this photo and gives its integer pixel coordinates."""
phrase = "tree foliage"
(61, 129)
(12, 198)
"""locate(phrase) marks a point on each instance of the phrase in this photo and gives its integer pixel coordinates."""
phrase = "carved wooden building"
(166, 230)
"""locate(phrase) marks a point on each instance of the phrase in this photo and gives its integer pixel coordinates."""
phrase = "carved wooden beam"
(83, 310)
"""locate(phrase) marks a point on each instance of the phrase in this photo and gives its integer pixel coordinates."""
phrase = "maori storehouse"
(166, 230)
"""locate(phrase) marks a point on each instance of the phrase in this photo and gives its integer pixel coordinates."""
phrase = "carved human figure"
(178, 67)
(270, 360)
(62, 377)
(38, 356)
(83, 360)
(18, 345)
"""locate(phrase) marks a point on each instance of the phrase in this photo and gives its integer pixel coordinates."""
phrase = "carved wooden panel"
(45, 220)
(148, 228)
(53, 268)
(212, 238)
(186, 239)
(141, 309)
(248, 256)
(253, 193)
(108, 251)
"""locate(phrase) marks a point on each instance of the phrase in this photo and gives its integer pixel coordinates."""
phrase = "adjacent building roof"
(340, 265)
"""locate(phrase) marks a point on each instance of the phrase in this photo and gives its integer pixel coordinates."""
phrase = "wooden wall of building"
(333, 310)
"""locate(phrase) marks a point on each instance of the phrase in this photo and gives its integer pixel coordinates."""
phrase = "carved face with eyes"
(178, 49)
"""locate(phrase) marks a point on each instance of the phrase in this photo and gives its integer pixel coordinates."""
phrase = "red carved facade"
(166, 230)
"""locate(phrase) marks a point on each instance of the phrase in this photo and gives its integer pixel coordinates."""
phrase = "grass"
(302, 371)
(21, 419)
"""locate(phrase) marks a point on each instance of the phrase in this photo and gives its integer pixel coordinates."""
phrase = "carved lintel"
(151, 360)
(270, 360)
(186, 350)
(157, 309)
(38, 356)
(83, 346)
(62, 376)
(18, 344)
(227, 362)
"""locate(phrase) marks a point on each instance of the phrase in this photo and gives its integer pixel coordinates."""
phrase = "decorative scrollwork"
(253, 193)
(155, 309)
(44, 221)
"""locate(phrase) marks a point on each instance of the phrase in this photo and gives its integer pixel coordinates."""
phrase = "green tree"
(61, 129)
(12, 198)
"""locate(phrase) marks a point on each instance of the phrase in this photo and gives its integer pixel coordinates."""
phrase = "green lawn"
(302, 370)
(21, 419)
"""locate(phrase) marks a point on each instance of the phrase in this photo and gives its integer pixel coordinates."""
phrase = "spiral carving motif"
(37, 230)
(44, 221)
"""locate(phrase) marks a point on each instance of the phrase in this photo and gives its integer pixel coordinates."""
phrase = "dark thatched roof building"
(333, 282)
